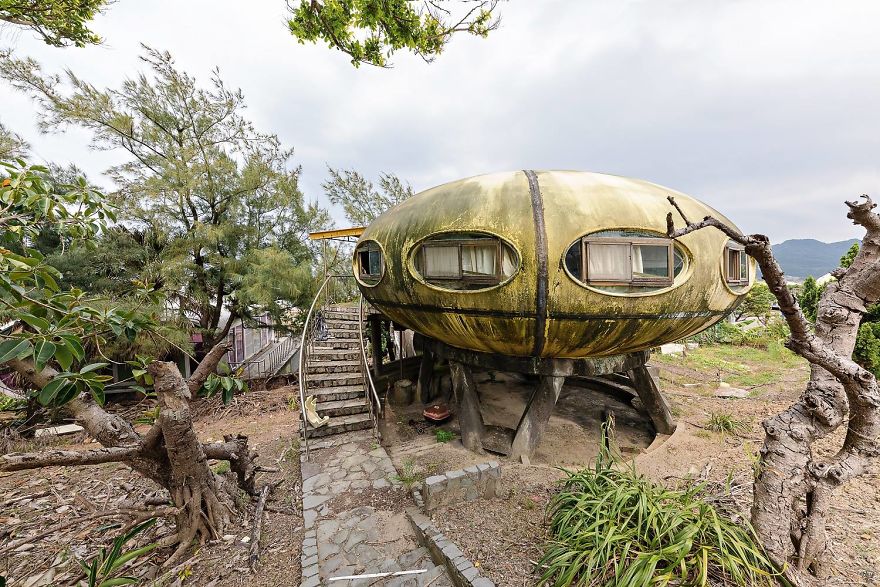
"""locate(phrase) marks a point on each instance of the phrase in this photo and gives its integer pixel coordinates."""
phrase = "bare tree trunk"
(793, 488)
(195, 490)
(170, 453)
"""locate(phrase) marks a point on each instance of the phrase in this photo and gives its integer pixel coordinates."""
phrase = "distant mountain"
(801, 257)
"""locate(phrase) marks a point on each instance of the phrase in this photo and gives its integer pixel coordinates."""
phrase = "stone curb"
(468, 484)
(309, 560)
(443, 551)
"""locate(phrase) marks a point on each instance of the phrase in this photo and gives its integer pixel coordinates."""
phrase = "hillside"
(806, 256)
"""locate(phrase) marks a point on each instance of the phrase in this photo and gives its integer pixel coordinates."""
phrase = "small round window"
(369, 262)
(625, 261)
(465, 261)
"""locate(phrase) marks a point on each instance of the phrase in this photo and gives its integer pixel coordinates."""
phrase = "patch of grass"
(615, 528)
(221, 467)
(293, 403)
(407, 475)
(444, 435)
(726, 424)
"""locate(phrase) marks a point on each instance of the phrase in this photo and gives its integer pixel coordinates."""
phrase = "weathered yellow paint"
(581, 321)
(336, 233)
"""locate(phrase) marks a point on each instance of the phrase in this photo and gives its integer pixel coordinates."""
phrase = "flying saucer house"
(553, 273)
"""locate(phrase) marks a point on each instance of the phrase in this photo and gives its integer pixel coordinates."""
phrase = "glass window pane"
(743, 267)
(608, 262)
(677, 262)
(364, 262)
(732, 265)
(573, 259)
(441, 261)
(375, 263)
(479, 260)
(650, 261)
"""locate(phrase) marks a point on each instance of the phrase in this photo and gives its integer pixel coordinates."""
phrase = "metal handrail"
(369, 385)
(302, 362)
(322, 300)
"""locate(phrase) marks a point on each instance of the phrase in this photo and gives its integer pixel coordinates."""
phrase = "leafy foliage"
(12, 145)
(218, 201)
(847, 259)
(370, 31)
(51, 324)
(758, 302)
(361, 201)
(104, 570)
(809, 297)
(57, 22)
(226, 384)
(612, 527)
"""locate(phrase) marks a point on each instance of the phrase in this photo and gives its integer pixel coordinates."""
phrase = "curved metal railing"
(324, 298)
(369, 384)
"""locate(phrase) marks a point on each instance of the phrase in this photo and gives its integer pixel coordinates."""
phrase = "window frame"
(368, 248)
(634, 281)
(740, 250)
(460, 244)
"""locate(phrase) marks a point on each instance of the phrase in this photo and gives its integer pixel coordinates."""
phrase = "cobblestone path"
(353, 506)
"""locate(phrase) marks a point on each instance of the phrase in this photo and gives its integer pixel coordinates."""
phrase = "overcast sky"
(767, 110)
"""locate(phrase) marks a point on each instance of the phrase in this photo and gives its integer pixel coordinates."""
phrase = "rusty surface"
(581, 321)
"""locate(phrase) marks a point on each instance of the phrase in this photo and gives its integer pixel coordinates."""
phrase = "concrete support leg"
(470, 420)
(425, 387)
(376, 343)
(535, 417)
(646, 381)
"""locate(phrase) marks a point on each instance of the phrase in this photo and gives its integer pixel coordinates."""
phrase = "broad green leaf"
(64, 356)
(43, 352)
(15, 349)
(75, 346)
(38, 324)
(92, 367)
(50, 391)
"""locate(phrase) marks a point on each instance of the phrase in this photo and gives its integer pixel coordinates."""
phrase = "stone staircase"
(333, 373)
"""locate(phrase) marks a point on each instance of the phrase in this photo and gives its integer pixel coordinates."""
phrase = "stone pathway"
(353, 506)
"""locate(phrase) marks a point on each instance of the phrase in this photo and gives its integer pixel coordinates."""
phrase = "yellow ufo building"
(561, 264)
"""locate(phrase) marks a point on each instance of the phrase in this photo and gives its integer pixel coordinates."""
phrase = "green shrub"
(867, 349)
(614, 528)
(444, 435)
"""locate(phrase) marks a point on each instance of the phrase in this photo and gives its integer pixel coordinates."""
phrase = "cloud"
(764, 109)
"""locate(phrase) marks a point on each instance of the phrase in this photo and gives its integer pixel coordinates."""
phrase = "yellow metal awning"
(341, 233)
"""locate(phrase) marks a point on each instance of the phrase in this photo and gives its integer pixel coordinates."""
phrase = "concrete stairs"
(334, 375)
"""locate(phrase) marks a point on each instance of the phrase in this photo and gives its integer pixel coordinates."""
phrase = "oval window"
(465, 261)
(370, 263)
(625, 261)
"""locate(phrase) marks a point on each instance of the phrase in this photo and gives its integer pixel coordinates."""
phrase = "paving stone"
(313, 581)
(309, 517)
(313, 501)
(410, 559)
(360, 484)
(312, 560)
(338, 487)
(314, 482)
(309, 571)
(483, 582)
(381, 484)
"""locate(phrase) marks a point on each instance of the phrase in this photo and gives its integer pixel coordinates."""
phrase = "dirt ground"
(73, 506)
(503, 536)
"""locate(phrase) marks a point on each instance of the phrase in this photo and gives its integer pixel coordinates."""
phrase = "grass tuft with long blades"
(611, 527)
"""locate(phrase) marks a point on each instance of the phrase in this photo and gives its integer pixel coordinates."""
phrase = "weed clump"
(614, 528)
